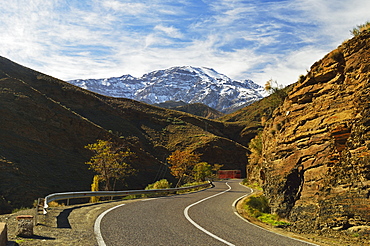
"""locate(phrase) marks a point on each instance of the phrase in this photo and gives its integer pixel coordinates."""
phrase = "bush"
(255, 145)
(161, 184)
(361, 28)
(257, 206)
(253, 185)
(337, 55)
(272, 219)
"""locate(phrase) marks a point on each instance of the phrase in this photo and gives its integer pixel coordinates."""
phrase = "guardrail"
(83, 194)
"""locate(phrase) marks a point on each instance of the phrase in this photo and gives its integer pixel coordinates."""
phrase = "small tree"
(215, 169)
(95, 187)
(274, 88)
(109, 161)
(182, 163)
(202, 171)
(277, 95)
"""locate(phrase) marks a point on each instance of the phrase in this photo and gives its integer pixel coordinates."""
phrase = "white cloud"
(170, 31)
(127, 8)
(286, 69)
(335, 18)
(72, 39)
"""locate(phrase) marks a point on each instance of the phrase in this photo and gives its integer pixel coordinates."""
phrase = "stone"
(3, 234)
(359, 229)
(25, 226)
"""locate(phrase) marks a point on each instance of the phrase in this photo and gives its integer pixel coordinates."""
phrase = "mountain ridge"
(46, 122)
(180, 83)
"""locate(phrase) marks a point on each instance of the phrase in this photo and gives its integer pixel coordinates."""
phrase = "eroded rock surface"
(316, 157)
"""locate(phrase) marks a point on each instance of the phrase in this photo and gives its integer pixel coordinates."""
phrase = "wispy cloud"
(127, 8)
(169, 30)
(259, 39)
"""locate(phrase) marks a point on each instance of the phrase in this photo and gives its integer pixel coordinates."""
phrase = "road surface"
(202, 218)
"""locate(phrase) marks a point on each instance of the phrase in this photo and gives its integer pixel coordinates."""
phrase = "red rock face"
(316, 157)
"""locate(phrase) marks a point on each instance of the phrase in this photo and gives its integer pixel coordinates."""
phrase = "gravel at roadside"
(64, 225)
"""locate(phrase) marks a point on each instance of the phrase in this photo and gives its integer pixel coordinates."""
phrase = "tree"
(182, 163)
(109, 161)
(215, 169)
(202, 171)
(274, 88)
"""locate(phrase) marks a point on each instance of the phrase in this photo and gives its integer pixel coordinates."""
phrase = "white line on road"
(97, 232)
(186, 213)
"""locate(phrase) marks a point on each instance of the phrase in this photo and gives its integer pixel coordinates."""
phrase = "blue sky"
(258, 40)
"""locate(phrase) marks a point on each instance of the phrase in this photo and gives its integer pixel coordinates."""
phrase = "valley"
(310, 148)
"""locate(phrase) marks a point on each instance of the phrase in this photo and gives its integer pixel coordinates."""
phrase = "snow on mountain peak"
(182, 83)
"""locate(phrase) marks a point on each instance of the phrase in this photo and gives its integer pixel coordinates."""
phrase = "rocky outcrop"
(316, 152)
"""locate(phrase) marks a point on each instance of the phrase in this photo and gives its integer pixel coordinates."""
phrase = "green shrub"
(255, 145)
(254, 185)
(361, 28)
(257, 206)
(161, 184)
(272, 219)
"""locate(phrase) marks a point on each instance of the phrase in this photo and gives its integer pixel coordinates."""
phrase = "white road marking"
(97, 231)
(186, 213)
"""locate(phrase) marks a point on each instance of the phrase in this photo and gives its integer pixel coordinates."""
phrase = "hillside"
(45, 124)
(198, 109)
(314, 165)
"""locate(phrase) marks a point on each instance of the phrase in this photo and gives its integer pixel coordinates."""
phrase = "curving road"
(201, 218)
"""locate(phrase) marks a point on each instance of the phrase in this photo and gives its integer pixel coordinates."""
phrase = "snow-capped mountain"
(186, 83)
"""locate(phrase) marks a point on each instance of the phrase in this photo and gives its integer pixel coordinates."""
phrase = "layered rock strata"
(316, 157)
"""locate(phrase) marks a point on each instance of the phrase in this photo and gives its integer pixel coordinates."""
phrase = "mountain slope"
(45, 124)
(187, 84)
(198, 109)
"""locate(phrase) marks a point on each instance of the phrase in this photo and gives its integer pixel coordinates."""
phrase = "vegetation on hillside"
(110, 162)
(186, 166)
(182, 164)
(360, 28)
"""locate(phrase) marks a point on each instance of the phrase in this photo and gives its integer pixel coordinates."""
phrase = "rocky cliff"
(315, 157)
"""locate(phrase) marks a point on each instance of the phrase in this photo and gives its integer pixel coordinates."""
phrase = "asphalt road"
(202, 218)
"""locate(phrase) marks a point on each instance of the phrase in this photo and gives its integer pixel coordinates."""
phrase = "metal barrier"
(83, 194)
